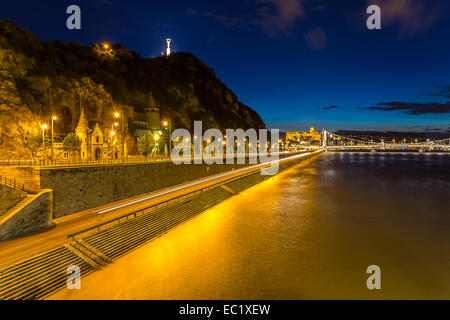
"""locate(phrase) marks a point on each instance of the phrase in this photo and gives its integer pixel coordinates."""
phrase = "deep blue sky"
(287, 59)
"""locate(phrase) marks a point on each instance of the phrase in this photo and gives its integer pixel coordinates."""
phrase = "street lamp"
(156, 142)
(53, 152)
(121, 116)
(44, 126)
(168, 125)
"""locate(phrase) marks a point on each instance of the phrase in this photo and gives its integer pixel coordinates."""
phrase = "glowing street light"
(156, 137)
(118, 115)
(168, 125)
(53, 152)
(44, 126)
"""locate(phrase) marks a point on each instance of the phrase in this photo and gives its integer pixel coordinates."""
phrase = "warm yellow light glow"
(165, 123)
(54, 118)
(106, 46)
(112, 133)
(116, 124)
(116, 115)
(156, 137)
(44, 126)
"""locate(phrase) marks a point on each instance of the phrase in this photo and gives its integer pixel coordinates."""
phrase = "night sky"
(296, 62)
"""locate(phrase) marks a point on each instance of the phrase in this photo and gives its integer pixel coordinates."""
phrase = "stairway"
(17, 206)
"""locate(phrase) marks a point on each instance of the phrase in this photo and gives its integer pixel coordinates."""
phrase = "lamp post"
(168, 125)
(156, 143)
(118, 115)
(112, 143)
(44, 126)
(53, 150)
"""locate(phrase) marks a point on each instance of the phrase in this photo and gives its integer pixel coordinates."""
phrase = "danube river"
(308, 233)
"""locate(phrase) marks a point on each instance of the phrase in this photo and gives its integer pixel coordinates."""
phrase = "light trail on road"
(200, 181)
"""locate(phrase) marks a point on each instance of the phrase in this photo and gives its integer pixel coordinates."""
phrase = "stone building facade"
(93, 142)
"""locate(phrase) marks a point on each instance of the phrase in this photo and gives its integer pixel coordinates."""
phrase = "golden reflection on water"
(307, 233)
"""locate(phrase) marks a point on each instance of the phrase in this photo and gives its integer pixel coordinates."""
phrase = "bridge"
(335, 142)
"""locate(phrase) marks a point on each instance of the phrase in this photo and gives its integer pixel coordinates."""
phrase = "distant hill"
(39, 79)
(396, 134)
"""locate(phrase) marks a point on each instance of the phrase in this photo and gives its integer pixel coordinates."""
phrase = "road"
(20, 248)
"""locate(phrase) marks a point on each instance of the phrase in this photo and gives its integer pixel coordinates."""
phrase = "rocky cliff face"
(41, 79)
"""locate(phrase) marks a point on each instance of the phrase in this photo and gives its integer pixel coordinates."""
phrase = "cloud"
(316, 39)
(412, 108)
(331, 108)
(444, 92)
(413, 17)
(277, 17)
(274, 17)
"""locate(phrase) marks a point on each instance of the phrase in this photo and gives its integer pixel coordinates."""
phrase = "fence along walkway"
(121, 161)
(13, 183)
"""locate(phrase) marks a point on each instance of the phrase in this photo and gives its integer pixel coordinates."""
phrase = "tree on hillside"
(72, 143)
(33, 143)
(145, 145)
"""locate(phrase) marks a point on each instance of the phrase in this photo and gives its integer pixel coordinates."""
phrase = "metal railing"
(81, 162)
(13, 183)
(93, 162)
(163, 204)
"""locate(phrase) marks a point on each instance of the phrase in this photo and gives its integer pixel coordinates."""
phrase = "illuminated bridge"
(335, 142)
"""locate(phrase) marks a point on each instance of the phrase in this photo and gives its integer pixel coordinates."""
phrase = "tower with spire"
(152, 114)
(82, 132)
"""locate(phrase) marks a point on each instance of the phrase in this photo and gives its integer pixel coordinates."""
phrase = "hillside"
(40, 79)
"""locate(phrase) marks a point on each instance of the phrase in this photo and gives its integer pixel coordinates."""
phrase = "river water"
(308, 233)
